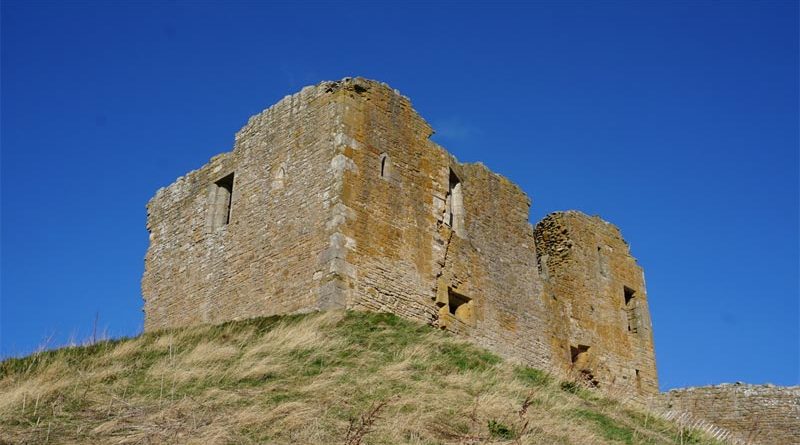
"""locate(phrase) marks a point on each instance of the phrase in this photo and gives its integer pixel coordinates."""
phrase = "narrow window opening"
(638, 379)
(280, 178)
(629, 295)
(222, 198)
(384, 165)
(454, 205)
(460, 306)
(602, 262)
(631, 310)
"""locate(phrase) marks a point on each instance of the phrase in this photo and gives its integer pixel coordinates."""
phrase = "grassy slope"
(323, 378)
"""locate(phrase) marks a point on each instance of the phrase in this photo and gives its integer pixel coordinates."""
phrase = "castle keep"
(336, 197)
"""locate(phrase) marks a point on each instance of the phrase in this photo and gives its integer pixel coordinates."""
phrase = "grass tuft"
(607, 426)
(531, 376)
(499, 430)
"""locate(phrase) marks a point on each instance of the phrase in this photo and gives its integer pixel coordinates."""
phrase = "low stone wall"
(753, 414)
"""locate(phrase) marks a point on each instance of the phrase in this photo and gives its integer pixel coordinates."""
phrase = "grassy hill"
(325, 378)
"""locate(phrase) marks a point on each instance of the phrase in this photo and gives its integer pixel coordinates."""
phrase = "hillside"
(324, 378)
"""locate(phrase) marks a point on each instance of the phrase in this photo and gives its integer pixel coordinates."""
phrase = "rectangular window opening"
(602, 262)
(455, 301)
(460, 306)
(629, 295)
(221, 201)
(631, 310)
(578, 353)
(454, 205)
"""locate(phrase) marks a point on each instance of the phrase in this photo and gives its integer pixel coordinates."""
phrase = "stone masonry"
(755, 414)
(336, 197)
(596, 297)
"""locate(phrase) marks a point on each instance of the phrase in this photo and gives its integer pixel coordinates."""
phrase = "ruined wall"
(386, 195)
(759, 414)
(417, 245)
(494, 263)
(340, 199)
(265, 259)
(596, 297)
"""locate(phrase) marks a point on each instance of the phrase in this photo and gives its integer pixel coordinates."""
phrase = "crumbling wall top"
(354, 86)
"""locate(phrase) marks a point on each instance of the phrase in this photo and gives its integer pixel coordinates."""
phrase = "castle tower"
(336, 197)
(596, 296)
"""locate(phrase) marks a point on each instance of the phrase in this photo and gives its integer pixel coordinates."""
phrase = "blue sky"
(677, 121)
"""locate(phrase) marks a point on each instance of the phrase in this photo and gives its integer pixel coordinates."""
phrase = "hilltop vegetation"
(324, 378)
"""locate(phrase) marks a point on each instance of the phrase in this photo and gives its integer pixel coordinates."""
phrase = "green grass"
(499, 430)
(531, 376)
(305, 379)
(608, 427)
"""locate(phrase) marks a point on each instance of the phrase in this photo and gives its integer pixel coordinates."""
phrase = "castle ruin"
(336, 197)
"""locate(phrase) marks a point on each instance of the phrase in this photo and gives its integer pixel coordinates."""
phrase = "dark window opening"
(631, 310)
(455, 301)
(226, 184)
(461, 307)
(629, 295)
(222, 197)
(638, 379)
(578, 353)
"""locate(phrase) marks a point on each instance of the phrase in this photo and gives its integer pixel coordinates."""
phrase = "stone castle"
(336, 198)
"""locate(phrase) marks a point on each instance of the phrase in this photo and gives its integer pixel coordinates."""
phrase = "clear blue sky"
(677, 121)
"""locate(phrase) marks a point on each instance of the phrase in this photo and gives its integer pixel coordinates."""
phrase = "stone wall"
(426, 231)
(265, 260)
(755, 414)
(340, 199)
(596, 298)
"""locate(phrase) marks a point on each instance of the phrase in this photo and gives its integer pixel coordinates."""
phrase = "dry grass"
(335, 377)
